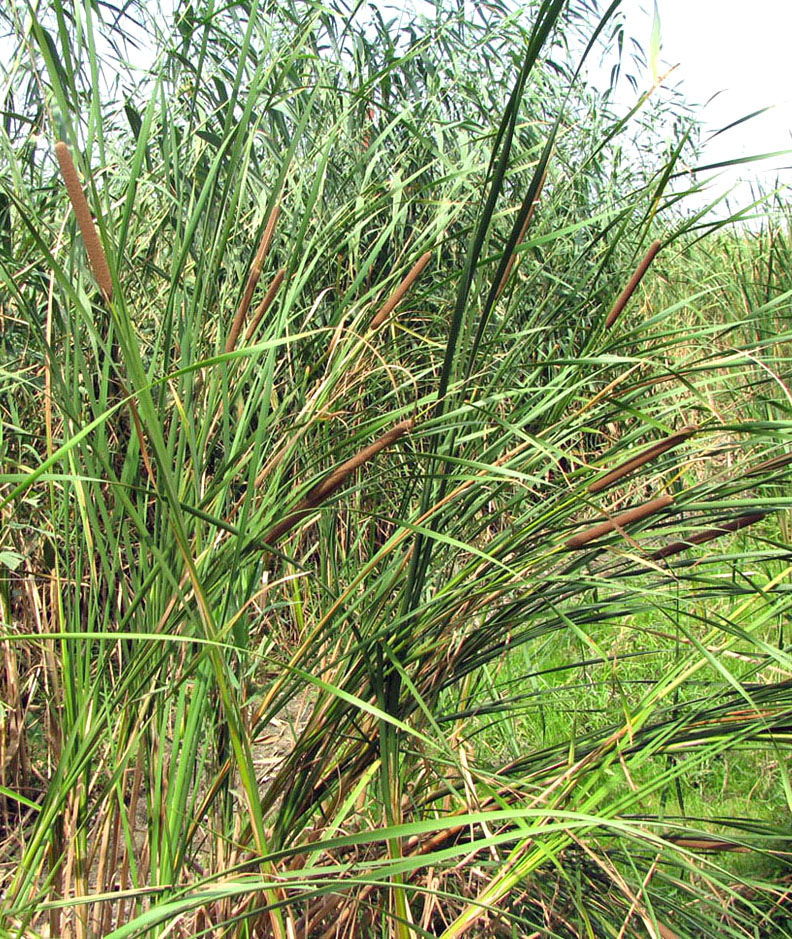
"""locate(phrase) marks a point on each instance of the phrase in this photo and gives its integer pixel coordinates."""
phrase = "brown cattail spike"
(628, 291)
(93, 247)
(331, 483)
(619, 521)
(523, 230)
(769, 466)
(709, 534)
(253, 279)
(266, 303)
(650, 453)
(396, 297)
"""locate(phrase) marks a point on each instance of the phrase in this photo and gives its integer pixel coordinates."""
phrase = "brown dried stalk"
(266, 303)
(398, 294)
(628, 291)
(93, 247)
(650, 453)
(253, 279)
(708, 534)
(523, 230)
(619, 521)
(331, 483)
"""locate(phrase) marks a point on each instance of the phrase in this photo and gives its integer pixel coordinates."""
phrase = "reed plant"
(387, 548)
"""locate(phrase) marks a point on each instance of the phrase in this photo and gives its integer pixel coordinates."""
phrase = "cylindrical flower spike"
(521, 236)
(709, 534)
(398, 294)
(331, 483)
(253, 279)
(650, 453)
(619, 521)
(629, 290)
(93, 246)
(266, 303)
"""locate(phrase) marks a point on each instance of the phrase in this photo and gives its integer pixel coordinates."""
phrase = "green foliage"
(306, 629)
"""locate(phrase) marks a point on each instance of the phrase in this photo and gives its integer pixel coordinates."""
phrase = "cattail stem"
(332, 482)
(709, 534)
(619, 521)
(629, 290)
(265, 304)
(396, 297)
(253, 279)
(650, 453)
(93, 246)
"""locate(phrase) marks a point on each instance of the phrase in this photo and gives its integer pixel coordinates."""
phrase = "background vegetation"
(368, 566)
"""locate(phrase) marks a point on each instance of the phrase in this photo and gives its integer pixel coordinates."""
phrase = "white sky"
(735, 57)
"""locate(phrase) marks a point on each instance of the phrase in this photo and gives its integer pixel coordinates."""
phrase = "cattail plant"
(494, 689)
(522, 233)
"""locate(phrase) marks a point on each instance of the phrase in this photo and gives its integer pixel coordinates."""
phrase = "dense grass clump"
(395, 488)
